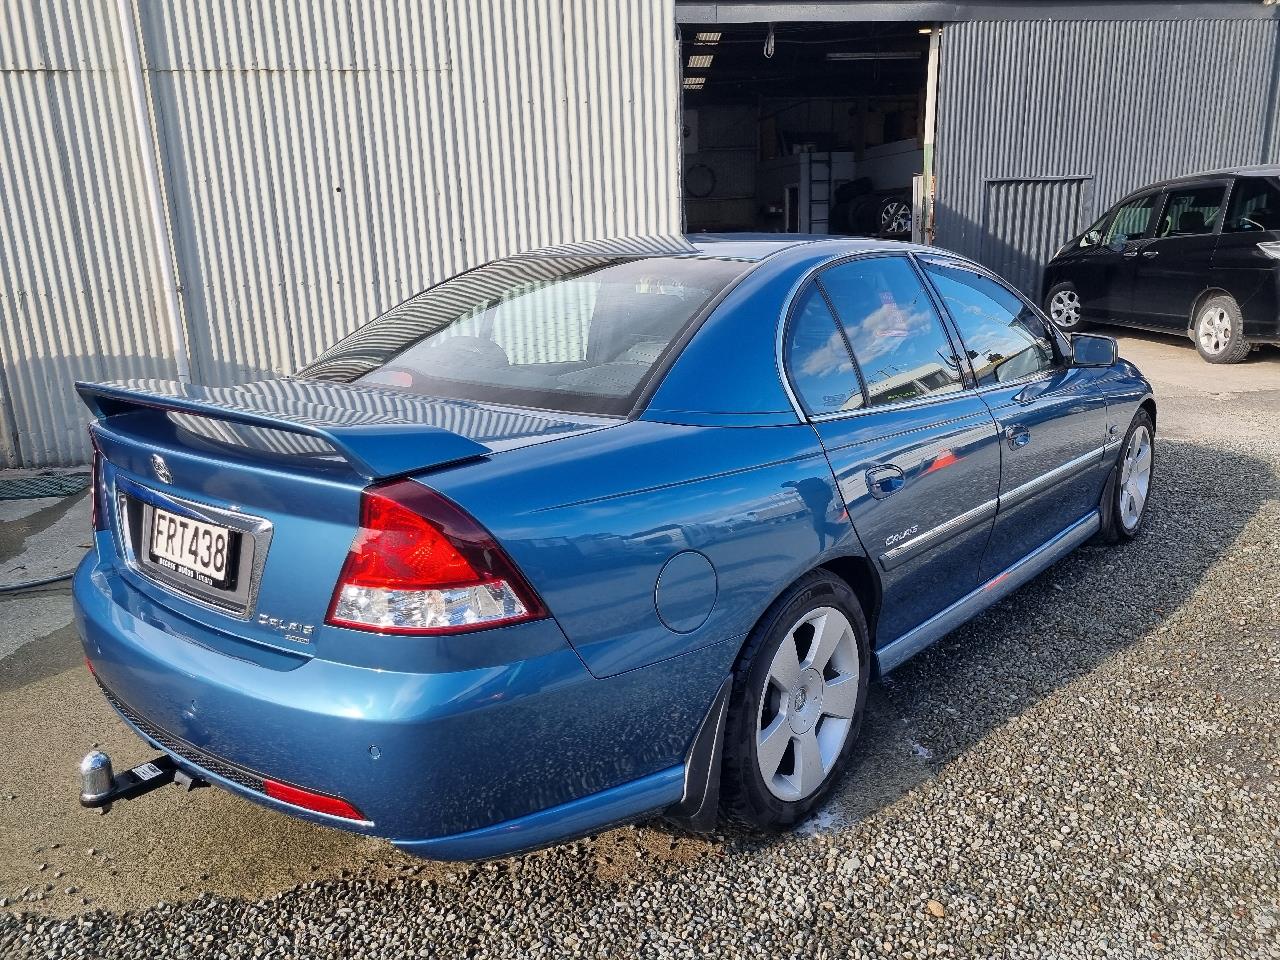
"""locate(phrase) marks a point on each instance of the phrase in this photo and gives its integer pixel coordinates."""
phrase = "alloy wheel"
(1214, 330)
(807, 707)
(1135, 478)
(895, 217)
(1064, 308)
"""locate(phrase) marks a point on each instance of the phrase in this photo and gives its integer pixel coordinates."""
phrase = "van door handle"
(884, 481)
(1018, 436)
(1130, 255)
(1150, 253)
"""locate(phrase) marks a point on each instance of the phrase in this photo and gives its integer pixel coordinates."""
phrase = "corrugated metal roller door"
(320, 164)
(1025, 221)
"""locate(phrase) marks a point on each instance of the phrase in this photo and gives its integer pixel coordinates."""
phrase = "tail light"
(420, 565)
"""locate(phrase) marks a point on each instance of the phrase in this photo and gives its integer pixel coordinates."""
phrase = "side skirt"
(1001, 585)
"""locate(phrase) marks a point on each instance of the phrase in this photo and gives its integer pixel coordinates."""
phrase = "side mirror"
(1092, 350)
(1091, 238)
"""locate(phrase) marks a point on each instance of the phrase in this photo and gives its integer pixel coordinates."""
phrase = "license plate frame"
(192, 548)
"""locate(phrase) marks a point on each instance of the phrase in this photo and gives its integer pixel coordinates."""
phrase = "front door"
(1052, 418)
(1172, 269)
(1107, 294)
(920, 477)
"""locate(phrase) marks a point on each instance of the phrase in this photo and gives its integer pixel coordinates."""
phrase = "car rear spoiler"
(368, 430)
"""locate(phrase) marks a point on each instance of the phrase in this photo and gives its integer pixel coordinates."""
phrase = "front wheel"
(798, 697)
(1219, 331)
(1063, 307)
(1134, 470)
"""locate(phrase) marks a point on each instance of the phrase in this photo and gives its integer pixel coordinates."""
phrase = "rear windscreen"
(582, 334)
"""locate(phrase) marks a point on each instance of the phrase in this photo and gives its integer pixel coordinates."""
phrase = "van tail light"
(420, 565)
(97, 515)
(309, 800)
(1271, 248)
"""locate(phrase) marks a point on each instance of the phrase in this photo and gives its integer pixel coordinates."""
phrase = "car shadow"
(1088, 607)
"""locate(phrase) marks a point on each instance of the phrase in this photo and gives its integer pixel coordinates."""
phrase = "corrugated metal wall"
(320, 164)
(1115, 104)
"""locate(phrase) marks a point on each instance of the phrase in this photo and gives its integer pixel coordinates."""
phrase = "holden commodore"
(589, 534)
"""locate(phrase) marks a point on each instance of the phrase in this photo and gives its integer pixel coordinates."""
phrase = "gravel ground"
(1091, 769)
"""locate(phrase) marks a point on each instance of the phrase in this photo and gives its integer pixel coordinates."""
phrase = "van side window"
(1131, 220)
(898, 339)
(1255, 206)
(1191, 211)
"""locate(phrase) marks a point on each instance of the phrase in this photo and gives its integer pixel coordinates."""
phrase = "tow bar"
(99, 788)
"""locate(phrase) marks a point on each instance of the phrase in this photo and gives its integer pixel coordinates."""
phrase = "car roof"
(750, 247)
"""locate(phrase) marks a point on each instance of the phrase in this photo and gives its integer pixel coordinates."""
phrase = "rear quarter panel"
(593, 520)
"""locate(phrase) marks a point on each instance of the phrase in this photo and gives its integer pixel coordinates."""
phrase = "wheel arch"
(1201, 299)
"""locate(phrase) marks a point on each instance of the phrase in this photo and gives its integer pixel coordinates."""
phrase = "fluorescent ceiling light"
(694, 83)
(701, 61)
(925, 31)
(713, 37)
(875, 55)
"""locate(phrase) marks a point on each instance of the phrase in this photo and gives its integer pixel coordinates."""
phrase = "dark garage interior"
(804, 127)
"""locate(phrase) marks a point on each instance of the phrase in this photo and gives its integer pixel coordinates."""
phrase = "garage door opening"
(805, 127)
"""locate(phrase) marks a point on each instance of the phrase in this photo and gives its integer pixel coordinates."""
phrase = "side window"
(1131, 220)
(1004, 338)
(818, 359)
(1255, 206)
(1191, 211)
(897, 337)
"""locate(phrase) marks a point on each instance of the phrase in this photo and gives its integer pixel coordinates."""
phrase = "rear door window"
(1131, 220)
(898, 340)
(1255, 206)
(1191, 211)
(1005, 339)
(818, 358)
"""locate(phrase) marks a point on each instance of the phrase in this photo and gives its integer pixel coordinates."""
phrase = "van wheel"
(1063, 307)
(799, 691)
(1219, 330)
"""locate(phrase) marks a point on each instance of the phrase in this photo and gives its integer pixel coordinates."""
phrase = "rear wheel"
(1219, 330)
(798, 698)
(1063, 307)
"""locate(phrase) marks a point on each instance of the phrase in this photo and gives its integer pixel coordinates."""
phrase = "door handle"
(884, 481)
(1018, 436)
(1150, 253)
(1130, 255)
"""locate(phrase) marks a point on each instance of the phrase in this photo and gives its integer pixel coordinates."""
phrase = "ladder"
(820, 192)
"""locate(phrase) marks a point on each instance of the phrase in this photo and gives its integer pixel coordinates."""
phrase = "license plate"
(192, 548)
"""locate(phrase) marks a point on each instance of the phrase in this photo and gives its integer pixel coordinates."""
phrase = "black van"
(1198, 255)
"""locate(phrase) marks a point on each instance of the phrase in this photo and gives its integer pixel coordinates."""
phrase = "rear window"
(1255, 206)
(582, 334)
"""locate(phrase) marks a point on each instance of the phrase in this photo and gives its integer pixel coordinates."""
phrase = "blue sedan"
(589, 534)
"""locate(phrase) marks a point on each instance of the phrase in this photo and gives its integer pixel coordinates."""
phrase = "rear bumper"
(451, 765)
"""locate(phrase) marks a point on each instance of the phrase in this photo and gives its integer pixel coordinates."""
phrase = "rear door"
(1052, 419)
(914, 451)
(1173, 268)
(1243, 267)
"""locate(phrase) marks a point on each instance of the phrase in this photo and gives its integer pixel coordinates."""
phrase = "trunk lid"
(271, 474)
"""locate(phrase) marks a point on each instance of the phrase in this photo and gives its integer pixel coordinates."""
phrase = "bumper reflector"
(317, 802)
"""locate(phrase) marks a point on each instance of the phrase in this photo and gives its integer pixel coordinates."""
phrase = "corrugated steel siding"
(1027, 221)
(321, 164)
(1120, 102)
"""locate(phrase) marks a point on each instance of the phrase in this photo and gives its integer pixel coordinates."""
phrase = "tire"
(1218, 330)
(1062, 306)
(794, 713)
(1122, 523)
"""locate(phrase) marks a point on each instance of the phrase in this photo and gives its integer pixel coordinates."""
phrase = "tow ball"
(99, 788)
